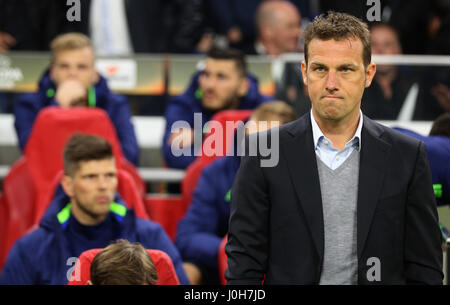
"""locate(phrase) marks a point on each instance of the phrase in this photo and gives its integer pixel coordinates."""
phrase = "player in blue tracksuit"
(43, 257)
(73, 80)
(206, 222)
(223, 84)
(438, 150)
(28, 105)
(86, 213)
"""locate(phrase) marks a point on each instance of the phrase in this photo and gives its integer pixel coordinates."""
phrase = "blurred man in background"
(223, 84)
(72, 80)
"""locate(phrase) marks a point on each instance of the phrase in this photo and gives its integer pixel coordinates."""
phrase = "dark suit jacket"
(276, 229)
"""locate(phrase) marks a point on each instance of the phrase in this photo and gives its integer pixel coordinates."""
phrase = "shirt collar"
(318, 134)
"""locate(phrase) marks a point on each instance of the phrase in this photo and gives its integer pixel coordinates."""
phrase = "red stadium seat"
(19, 195)
(222, 117)
(222, 258)
(190, 180)
(193, 172)
(163, 263)
(166, 211)
(3, 228)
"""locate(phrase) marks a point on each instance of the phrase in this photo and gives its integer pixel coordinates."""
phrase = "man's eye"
(319, 69)
(346, 69)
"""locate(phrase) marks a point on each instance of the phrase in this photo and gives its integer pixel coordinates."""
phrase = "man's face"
(222, 84)
(286, 31)
(91, 189)
(336, 77)
(74, 64)
(384, 41)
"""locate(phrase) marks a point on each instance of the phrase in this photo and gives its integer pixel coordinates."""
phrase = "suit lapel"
(374, 153)
(299, 151)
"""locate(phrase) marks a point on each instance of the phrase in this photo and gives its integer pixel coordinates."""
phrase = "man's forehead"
(220, 65)
(99, 166)
(81, 54)
(344, 51)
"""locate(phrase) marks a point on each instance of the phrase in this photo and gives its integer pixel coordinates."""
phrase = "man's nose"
(332, 82)
(73, 73)
(102, 183)
(209, 82)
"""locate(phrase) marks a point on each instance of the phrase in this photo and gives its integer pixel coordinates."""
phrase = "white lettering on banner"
(74, 12)
(374, 13)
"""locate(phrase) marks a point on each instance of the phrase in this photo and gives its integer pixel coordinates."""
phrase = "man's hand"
(183, 138)
(6, 42)
(71, 93)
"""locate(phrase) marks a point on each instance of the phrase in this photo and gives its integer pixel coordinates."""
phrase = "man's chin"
(212, 106)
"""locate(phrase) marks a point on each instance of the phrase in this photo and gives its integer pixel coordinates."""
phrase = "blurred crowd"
(194, 26)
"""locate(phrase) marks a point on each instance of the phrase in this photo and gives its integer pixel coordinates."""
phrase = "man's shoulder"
(115, 99)
(147, 226)
(34, 242)
(34, 98)
(391, 136)
(184, 100)
(299, 126)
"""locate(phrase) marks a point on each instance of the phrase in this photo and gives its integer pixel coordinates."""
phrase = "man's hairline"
(344, 38)
(240, 73)
(77, 165)
(54, 53)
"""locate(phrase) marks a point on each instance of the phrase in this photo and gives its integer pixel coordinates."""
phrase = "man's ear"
(95, 78)
(67, 185)
(370, 73)
(244, 87)
(304, 68)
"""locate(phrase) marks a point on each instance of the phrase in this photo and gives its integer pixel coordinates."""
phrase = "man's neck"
(339, 132)
(84, 217)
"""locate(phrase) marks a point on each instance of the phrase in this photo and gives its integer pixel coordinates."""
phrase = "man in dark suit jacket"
(349, 201)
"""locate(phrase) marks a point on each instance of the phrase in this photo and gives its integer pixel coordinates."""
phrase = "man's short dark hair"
(123, 263)
(230, 54)
(441, 126)
(84, 147)
(339, 26)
